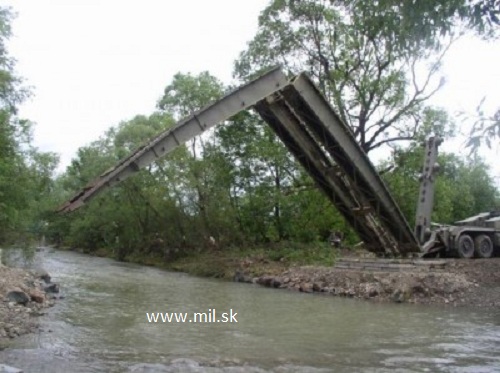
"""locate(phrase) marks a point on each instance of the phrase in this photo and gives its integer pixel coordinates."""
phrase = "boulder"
(401, 294)
(265, 281)
(372, 291)
(306, 287)
(37, 296)
(52, 288)
(18, 296)
(43, 275)
(276, 283)
(350, 293)
(241, 277)
(418, 288)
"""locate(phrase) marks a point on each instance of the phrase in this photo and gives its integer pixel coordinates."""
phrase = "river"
(101, 326)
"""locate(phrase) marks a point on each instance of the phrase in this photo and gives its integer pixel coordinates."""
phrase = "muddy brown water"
(101, 326)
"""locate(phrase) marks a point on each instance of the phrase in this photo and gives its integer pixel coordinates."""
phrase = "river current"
(101, 325)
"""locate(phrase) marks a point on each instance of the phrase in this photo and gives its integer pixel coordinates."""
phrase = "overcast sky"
(95, 63)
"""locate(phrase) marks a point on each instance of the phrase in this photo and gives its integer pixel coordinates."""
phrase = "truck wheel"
(465, 247)
(484, 246)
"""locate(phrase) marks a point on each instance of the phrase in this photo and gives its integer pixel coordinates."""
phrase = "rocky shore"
(473, 283)
(23, 297)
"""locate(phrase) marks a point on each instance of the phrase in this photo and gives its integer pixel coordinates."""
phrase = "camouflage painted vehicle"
(477, 236)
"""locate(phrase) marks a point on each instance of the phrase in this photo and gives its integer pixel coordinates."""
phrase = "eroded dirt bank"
(23, 297)
(457, 283)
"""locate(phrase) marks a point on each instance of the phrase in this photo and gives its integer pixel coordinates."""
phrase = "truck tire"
(483, 246)
(465, 247)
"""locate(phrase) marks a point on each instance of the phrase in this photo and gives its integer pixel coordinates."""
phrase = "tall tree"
(15, 147)
(185, 95)
(373, 80)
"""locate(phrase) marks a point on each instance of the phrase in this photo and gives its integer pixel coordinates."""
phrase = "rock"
(265, 281)
(29, 283)
(372, 292)
(316, 287)
(401, 295)
(52, 288)
(241, 277)
(43, 275)
(306, 287)
(37, 296)
(53, 296)
(276, 283)
(18, 296)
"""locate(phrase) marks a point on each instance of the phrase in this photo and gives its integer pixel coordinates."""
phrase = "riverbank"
(473, 283)
(23, 297)
(457, 282)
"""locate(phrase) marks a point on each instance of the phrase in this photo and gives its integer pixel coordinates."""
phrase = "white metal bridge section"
(311, 130)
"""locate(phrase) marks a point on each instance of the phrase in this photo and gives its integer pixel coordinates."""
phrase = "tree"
(186, 95)
(417, 25)
(422, 25)
(129, 212)
(24, 171)
(372, 79)
(463, 187)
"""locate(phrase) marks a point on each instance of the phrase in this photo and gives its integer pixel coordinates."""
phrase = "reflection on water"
(101, 326)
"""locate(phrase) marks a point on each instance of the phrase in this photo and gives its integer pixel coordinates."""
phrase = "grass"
(254, 261)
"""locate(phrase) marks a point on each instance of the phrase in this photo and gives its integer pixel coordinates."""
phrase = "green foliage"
(189, 93)
(25, 173)
(356, 53)
(237, 185)
(416, 25)
(463, 188)
(290, 252)
(485, 129)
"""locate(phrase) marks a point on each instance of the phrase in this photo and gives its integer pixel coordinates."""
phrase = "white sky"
(94, 63)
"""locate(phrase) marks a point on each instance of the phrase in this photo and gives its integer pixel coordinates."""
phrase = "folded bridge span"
(313, 133)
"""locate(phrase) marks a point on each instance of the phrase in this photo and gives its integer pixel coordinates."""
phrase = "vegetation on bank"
(237, 186)
(223, 264)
